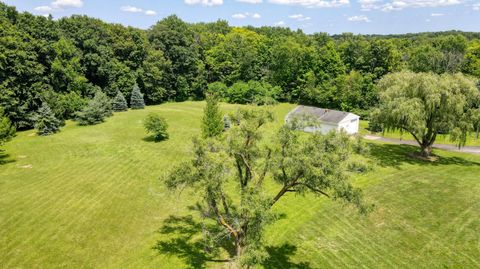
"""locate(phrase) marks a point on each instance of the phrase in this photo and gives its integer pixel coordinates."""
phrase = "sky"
(331, 16)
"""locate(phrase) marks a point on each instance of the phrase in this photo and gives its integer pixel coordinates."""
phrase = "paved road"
(473, 150)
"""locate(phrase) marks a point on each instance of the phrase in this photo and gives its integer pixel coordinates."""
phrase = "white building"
(327, 118)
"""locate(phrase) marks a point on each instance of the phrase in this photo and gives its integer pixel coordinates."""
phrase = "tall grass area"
(91, 197)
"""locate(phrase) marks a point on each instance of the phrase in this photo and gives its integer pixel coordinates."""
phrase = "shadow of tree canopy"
(392, 155)
(5, 158)
(185, 241)
(280, 258)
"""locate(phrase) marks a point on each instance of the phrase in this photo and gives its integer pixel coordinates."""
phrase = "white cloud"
(204, 2)
(250, 1)
(239, 16)
(359, 18)
(437, 14)
(399, 5)
(59, 5)
(394, 5)
(44, 9)
(476, 6)
(131, 9)
(67, 3)
(299, 17)
(280, 23)
(312, 3)
(367, 5)
(150, 13)
(245, 15)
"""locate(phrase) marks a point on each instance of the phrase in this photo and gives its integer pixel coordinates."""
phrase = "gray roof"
(325, 115)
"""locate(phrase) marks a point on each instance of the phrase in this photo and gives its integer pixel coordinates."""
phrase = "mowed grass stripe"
(93, 199)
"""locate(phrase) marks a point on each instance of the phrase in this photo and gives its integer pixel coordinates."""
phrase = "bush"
(218, 89)
(7, 130)
(253, 92)
(119, 103)
(157, 126)
(45, 121)
(96, 111)
(136, 100)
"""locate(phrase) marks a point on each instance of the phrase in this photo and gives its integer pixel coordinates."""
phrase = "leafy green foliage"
(45, 121)
(212, 121)
(136, 99)
(119, 103)
(96, 111)
(253, 92)
(316, 165)
(7, 130)
(157, 126)
(64, 62)
(426, 104)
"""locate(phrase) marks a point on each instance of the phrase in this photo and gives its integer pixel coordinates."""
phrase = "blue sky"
(332, 16)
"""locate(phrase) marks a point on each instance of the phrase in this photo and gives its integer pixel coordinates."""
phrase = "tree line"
(64, 63)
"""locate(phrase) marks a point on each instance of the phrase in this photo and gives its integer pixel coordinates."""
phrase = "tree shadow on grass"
(392, 155)
(280, 258)
(184, 240)
(151, 139)
(5, 158)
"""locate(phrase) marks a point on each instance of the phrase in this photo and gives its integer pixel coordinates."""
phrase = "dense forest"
(64, 62)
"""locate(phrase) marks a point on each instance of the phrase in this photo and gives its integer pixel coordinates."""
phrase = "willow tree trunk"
(426, 151)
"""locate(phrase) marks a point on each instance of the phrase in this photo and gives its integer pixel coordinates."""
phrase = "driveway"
(472, 150)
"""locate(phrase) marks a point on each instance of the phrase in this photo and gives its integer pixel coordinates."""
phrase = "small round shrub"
(157, 126)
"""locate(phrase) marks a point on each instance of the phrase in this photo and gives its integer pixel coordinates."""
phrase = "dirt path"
(473, 150)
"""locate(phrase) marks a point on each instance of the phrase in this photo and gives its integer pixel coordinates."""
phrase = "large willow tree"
(427, 104)
(231, 173)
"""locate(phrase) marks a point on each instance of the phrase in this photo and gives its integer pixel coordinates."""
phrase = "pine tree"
(212, 122)
(45, 121)
(120, 103)
(136, 100)
(96, 111)
(7, 129)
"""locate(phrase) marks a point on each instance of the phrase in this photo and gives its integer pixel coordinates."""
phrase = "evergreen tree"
(45, 121)
(136, 101)
(120, 103)
(96, 111)
(212, 122)
(7, 129)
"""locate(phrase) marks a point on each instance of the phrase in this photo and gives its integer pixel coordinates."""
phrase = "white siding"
(324, 128)
(350, 124)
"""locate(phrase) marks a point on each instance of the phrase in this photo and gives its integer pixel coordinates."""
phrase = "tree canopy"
(318, 164)
(426, 104)
(65, 62)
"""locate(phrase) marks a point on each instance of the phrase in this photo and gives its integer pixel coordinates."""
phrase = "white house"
(328, 119)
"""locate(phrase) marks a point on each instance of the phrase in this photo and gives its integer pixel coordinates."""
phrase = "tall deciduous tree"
(317, 164)
(425, 104)
(212, 122)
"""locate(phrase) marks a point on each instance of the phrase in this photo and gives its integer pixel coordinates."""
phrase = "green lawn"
(441, 139)
(91, 197)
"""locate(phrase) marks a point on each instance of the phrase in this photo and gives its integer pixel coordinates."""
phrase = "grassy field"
(441, 139)
(91, 197)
